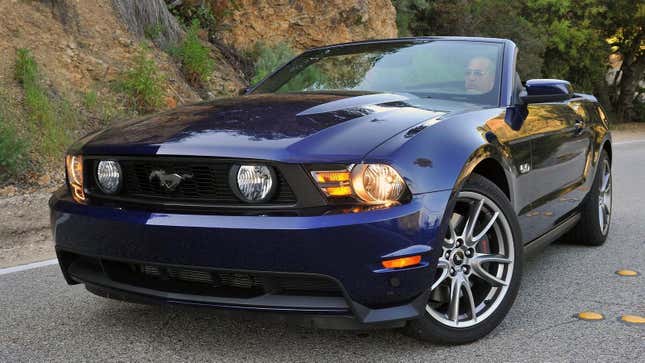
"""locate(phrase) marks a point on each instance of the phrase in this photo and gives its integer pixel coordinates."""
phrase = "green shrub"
(51, 121)
(194, 56)
(187, 15)
(26, 68)
(153, 32)
(90, 100)
(267, 58)
(13, 150)
(144, 83)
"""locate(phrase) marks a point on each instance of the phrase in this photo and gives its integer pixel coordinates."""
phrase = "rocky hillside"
(82, 52)
(307, 23)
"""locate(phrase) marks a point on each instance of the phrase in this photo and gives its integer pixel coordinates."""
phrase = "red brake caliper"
(484, 246)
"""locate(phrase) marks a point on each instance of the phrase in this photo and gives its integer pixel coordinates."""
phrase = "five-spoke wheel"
(478, 272)
(476, 263)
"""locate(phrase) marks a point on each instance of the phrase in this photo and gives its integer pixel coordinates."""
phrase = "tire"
(490, 303)
(589, 231)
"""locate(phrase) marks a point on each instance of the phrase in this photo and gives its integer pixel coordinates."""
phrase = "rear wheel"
(595, 212)
(478, 273)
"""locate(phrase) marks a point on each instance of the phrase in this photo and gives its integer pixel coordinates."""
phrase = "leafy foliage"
(268, 58)
(201, 13)
(557, 38)
(48, 118)
(144, 83)
(406, 13)
(479, 18)
(154, 32)
(623, 24)
(574, 49)
(194, 56)
(26, 68)
(90, 100)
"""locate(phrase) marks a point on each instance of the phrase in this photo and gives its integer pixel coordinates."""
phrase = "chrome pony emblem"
(169, 182)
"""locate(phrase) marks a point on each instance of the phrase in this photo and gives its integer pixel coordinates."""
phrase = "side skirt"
(531, 248)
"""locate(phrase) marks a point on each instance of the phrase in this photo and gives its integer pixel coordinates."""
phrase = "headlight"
(377, 183)
(370, 183)
(74, 166)
(254, 183)
(109, 176)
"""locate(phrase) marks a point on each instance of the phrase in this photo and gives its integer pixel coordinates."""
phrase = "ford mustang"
(387, 183)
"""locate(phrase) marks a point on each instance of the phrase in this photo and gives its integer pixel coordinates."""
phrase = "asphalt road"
(43, 319)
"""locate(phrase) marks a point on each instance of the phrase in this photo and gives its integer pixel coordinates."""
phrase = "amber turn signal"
(74, 165)
(333, 176)
(402, 262)
(344, 191)
(334, 183)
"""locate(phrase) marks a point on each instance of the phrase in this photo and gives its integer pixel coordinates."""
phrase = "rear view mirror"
(546, 90)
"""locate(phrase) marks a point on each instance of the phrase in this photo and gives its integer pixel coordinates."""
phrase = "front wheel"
(478, 273)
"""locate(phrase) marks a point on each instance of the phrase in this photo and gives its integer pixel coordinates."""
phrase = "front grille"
(208, 182)
(219, 283)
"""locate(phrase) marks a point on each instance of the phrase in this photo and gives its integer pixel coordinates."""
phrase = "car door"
(559, 157)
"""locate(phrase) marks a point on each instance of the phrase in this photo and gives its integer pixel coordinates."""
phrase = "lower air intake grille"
(220, 283)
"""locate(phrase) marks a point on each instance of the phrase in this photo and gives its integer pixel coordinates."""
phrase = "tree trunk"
(632, 72)
(601, 91)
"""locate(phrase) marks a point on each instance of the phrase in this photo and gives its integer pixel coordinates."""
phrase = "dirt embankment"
(84, 47)
(24, 231)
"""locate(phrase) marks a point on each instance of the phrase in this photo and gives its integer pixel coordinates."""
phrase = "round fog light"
(108, 176)
(255, 183)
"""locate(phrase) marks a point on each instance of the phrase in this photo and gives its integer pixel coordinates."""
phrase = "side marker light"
(402, 262)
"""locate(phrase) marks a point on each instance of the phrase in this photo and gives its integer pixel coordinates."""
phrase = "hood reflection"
(272, 123)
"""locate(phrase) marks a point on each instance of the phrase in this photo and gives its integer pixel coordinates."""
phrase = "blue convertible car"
(385, 183)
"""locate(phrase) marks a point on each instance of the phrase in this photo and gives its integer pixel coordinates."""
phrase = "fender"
(445, 152)
(493, 151)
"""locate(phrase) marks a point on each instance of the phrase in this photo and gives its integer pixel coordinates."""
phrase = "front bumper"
(345, 250)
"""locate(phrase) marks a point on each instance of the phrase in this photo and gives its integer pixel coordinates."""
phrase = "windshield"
(455, 70)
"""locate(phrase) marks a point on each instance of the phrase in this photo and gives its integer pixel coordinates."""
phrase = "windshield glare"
(455, 70)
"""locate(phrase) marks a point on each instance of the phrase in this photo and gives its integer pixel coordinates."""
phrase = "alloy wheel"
(604, 198)
(476, 266)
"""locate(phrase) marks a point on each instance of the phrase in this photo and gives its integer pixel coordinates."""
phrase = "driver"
(479, 76)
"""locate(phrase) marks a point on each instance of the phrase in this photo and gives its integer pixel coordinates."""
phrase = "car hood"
(305, 127)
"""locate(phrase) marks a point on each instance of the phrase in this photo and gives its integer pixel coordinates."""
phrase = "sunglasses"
(475, 72)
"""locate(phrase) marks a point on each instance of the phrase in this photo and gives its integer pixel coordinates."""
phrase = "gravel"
(24, 229)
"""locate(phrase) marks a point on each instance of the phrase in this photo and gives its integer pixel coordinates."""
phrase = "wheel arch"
(492, 170)
(606, 146)
(491, 163)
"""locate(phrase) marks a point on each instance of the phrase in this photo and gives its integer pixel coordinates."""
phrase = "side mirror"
(546, 90)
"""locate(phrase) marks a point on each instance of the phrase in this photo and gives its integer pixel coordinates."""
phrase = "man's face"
(479, 75)
(615, 60)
